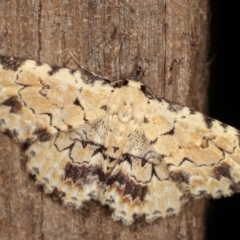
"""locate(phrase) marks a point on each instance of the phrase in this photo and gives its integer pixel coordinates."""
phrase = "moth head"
(129, 102)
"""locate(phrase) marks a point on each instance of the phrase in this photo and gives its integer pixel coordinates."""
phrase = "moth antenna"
(89, 71)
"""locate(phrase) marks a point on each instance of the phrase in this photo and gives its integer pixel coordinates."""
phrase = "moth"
(87, 138)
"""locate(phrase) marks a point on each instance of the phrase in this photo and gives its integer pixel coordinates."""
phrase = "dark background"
(223, 219)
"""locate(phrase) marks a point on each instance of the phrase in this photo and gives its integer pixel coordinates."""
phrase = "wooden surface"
(168, 39)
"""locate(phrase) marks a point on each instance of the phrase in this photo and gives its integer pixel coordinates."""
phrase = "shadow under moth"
(88, 138)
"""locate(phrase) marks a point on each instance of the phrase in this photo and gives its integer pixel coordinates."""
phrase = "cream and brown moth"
(87, 138)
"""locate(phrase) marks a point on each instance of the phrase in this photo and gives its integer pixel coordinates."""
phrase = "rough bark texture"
(168, 39)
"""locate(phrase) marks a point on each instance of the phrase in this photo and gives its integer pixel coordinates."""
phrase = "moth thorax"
(125, 112)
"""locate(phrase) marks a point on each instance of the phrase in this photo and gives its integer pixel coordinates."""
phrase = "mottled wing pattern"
(56, 113)
(88, 139)
(175, 152)
(202, 154)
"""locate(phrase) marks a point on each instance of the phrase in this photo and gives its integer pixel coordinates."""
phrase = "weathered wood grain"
(168, 39)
